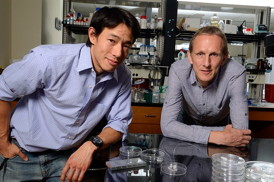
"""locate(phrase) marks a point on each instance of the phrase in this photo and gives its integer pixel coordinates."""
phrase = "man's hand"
(230, 137)
(78, 163)
(10, 150)
(7, 149)
(80, 160)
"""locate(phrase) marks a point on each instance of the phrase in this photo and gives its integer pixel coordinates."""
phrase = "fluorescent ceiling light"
(265, 3)
(226, 8)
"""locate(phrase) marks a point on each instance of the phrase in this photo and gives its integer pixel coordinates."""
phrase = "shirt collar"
(85, 62)
(193, 79)
(84, 59)
(108, 76)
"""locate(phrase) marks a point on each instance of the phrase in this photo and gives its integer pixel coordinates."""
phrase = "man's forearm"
(110, 136)
(5, 114)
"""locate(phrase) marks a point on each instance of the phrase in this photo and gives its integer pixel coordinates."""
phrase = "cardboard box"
(192, 23)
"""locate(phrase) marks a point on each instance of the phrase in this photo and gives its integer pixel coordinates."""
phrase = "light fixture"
(226, 8)
(261, 3)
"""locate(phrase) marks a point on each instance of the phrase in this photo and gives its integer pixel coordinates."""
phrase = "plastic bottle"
(152, 24)
(221, 25)
(89, 18)
(163, 90)
(137, 16)
(73, 16)
(181, 55)
(214, 20)
(156, 94)
(143, 22)
(160, 23)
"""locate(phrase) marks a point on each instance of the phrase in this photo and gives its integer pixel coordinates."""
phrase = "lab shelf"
(187, 35)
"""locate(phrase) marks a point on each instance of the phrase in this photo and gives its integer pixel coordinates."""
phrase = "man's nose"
(117, 50)
(207, 61)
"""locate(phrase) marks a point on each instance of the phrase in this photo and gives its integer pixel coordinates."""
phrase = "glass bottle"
(214, 20)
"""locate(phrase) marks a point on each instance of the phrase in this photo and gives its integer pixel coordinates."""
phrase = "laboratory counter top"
(196, 157)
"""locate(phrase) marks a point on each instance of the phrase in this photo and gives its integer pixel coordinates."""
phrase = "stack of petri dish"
(153, 156)
(130, 151)
(259, 171)
(227, 167)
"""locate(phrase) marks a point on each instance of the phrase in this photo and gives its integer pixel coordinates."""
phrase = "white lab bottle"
(181, 55)
(221, 25)
(89, 18)
(137, 16)
(143, 22)
(152, 24)
(160, 23)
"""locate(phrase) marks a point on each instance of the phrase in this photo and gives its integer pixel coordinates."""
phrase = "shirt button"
(89, 86)
(69, 137)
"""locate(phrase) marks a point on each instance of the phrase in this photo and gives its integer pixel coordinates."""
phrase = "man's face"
(110, 48)
(206, 58)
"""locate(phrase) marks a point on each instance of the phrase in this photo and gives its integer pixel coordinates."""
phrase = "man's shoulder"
(233, 67)
(182, 66)
(58, 49)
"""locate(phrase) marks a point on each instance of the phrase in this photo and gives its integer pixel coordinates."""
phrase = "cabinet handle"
(150, 116)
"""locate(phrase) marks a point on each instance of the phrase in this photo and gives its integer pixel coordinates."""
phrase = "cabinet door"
(146, 119)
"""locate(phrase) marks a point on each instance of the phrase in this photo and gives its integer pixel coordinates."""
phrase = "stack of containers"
(227, 167)
(259, 171)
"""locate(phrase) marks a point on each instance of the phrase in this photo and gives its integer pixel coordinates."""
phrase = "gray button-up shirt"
(190, 111)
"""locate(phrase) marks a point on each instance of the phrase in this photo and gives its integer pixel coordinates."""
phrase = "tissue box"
(232, 29)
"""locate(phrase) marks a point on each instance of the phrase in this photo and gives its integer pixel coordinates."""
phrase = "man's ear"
(225, 58)
(189, 57)
(91, 35)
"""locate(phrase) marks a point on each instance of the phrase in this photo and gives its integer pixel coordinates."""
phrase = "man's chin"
(110, 70)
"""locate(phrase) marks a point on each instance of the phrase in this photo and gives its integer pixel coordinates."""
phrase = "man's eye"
(215, 55)
(199, 54)
(127, 46)
(111, 40)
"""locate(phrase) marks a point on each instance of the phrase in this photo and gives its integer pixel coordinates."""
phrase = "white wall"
(51, 9)
(26, 26)
(5, 33)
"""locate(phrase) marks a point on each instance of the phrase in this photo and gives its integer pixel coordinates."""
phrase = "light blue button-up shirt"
(62, 98)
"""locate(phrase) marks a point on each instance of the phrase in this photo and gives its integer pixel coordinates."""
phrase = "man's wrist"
(97, 141)
(215, 137)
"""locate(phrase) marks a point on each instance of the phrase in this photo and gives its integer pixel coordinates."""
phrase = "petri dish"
(224, 159)
(153, 156)
(233, 171)
(226, 179)
(173, 168)
(259, 171)
(226, 176)
(130, 151)
(223, 167)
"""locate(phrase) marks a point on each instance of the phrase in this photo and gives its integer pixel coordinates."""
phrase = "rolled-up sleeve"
(21, 78)
(120, 114)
